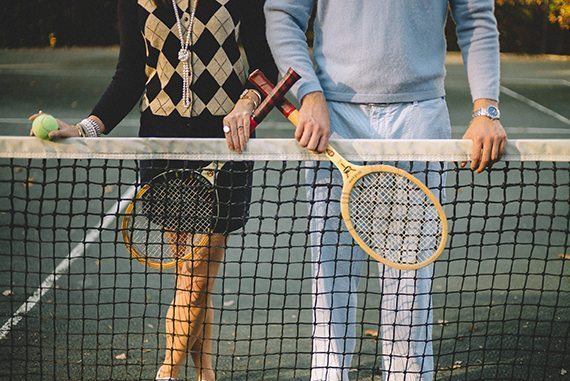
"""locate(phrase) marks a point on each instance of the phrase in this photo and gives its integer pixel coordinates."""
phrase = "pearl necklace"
(184, 54)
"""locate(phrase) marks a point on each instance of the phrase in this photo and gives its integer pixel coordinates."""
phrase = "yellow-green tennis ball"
(43, 125)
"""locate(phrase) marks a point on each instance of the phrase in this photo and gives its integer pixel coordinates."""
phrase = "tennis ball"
(43, 125)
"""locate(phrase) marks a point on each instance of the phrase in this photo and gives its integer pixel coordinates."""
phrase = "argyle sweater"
(149, 65)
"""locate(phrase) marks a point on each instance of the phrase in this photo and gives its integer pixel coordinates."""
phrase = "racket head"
(393, 216)
(171, 217)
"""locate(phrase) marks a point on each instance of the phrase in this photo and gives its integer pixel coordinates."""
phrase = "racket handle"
(274, 96)
(265, 87)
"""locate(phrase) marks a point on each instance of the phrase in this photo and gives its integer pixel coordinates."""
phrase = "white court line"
(63, 267)
(534, 104)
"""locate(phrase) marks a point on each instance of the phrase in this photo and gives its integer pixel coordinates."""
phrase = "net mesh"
(76, 306)
(395, 218)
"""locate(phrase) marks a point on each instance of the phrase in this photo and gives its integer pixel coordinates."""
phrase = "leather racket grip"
(273, 97)
(265, 87)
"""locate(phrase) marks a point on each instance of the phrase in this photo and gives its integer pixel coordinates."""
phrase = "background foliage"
(526, 26)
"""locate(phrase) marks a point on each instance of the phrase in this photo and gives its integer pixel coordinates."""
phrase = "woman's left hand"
(238, 123)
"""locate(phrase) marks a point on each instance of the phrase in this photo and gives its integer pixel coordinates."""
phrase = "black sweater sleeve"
(253, 38)
(127, 86)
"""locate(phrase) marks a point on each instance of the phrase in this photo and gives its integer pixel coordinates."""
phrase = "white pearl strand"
(184, 53)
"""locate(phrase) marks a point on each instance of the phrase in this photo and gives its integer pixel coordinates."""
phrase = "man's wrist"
(484, 102)
(313, 97)
(488, 108)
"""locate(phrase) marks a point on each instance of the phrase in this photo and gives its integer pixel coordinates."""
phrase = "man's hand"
(488, 136)
(313, 131)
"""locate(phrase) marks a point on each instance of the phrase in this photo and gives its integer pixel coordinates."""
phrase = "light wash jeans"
(337, 263)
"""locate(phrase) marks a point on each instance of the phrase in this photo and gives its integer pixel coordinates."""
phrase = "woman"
(183, 58)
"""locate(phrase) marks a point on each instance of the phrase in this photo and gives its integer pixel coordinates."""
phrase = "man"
(378, 73)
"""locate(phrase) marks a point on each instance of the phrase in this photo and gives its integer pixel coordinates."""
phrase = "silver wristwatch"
(491, 112)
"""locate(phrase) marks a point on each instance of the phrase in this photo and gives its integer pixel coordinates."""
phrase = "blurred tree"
(529, 26)
(560, 13)
(74, 22)
(558, 10)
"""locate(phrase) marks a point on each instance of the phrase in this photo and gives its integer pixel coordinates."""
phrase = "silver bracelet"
(91, 129)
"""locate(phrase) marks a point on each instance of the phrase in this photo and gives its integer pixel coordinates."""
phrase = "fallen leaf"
(472, 328)
(7, 292)
(443, 323)
(29, 182)
(563, 372)
(371, 333)
(564, 256)
(229, 303)
(108, 189)
(122, 356)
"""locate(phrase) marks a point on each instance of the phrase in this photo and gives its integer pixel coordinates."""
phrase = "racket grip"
(265, 87)
(274, 96)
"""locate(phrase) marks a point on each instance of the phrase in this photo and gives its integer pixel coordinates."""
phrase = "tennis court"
(75, 306)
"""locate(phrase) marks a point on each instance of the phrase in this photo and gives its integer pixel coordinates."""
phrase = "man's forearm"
(478, 39)
(287, 21)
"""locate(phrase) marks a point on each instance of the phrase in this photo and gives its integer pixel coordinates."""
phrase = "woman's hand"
(237, 124)
(64, 130)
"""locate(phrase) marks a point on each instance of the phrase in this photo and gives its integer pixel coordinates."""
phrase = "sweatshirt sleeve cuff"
(485, 94)
(305, 88)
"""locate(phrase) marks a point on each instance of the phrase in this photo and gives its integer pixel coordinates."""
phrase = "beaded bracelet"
(91, 129)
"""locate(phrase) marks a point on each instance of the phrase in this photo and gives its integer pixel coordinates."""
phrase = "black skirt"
(232, 182)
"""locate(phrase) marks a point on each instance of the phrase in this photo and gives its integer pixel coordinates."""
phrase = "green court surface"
(109, 305)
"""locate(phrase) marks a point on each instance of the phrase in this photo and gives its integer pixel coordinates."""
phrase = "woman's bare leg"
(189, 320)
(201, 351)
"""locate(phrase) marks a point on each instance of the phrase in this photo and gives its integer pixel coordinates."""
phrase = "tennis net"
(76, 306)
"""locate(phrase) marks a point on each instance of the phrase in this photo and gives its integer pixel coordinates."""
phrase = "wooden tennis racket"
(392, 215)
(175, 214)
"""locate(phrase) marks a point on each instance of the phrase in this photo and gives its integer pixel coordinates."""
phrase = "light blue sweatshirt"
(383, 51)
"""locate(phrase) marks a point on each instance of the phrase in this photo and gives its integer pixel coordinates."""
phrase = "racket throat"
(347, 169)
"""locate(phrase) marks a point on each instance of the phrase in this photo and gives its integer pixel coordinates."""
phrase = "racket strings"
(173, 219)
(395, 218)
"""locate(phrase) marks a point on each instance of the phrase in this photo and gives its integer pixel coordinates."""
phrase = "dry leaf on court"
(122, 356)
(371, 333)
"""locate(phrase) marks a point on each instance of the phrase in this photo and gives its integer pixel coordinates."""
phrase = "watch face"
(493, 111)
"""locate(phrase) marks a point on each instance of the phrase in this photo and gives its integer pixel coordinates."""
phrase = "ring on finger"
(227, 129)
(240, 127)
